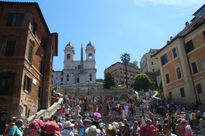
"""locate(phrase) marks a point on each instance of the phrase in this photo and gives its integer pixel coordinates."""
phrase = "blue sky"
(115, 26)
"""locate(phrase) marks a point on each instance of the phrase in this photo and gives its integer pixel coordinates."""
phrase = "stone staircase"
(137, 115)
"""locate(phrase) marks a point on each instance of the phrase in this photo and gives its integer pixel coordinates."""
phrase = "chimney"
(187, 23)
(170, 38)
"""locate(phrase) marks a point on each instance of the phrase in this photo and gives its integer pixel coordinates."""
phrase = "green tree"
(109, 81)
(55, 87)
(125, 58)
(142, 81)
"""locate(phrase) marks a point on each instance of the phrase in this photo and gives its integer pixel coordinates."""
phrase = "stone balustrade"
(100, 92)
(47, 113)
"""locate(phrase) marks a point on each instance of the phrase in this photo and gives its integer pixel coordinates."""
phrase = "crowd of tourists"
(79, 118)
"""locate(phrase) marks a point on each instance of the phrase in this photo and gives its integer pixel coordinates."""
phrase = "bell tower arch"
(90, 52)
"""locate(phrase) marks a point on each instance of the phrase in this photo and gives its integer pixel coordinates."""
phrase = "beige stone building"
(117, 70)
(182, 62)
(149, 64)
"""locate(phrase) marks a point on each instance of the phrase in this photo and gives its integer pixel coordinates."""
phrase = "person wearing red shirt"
(149, 129)
(119, 111)
(100, 107)
(63, 110)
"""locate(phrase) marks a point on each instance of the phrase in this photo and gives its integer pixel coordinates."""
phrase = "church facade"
(77, 74)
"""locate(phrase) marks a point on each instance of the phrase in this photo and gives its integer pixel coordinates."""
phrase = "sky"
(115, 26)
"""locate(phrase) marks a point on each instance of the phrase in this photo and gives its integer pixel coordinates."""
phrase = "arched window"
(68, 56)
(78, 80)
(90, 77)
(67, 77)
(90, 56)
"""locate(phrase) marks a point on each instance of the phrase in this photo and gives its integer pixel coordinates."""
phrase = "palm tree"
(125, 58)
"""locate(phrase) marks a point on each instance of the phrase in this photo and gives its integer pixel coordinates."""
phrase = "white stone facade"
(77, 74)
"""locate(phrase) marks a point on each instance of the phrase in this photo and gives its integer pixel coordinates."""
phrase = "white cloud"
(170, 2)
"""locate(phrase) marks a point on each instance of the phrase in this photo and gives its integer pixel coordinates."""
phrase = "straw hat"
(92, 131)
(68, 124)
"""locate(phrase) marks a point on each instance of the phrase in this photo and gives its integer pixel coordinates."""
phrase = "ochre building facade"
(117, 70)
(182, 63)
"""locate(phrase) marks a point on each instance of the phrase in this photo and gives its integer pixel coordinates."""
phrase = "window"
(167, 78)
(90, 56)
(178, 73)
(152, 63)
(15, 19)
(30, 53)
(39, 92)
(33, 26)
(27, 83)
(194, 67)
(152, 70)
(189, 46)
(68, 56)
(174, 51)
(67, 77)
(61, 78)
(164, 59)
(10, 48)
(199, 89)
(90, 77)
(203, 64)
(6, 83)
(78, 80)
(182, 92)
(61, 73)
